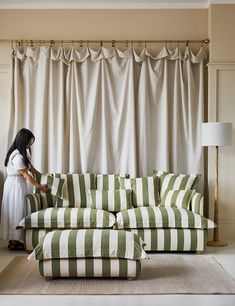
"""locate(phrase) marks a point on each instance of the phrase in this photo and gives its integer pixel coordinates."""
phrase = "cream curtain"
(110, 111)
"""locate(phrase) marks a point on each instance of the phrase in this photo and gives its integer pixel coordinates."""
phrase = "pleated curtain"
(110, 111)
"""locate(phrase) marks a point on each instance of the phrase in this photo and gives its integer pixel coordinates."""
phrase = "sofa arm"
(33, 203)
(197, 203)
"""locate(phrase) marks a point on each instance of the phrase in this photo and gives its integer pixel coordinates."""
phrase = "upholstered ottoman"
(89, 253)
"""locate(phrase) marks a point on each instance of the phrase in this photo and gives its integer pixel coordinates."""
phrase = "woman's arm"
(29, 178)
(33, 170)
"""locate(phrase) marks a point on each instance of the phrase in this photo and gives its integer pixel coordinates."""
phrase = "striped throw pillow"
(89, 243)
(145, 190)
(111, 200)
(177, 198)
(109, 181)
(61, 218)
(161, 217)
(75, 192)
(47, 199)
(56, 186)
(176, 181)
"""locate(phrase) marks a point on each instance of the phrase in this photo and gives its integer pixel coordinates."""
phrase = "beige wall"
(222, 108)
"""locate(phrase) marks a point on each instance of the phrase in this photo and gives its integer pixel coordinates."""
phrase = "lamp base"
(217, 243)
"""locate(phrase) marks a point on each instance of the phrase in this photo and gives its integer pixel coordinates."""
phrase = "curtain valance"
(73, 54)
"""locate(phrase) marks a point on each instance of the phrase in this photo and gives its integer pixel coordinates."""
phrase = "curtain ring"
(88, 44)
(31, 43)
(62, 44)
(126, 43)
(81, 43)
(12, 46)
(145, 44)
(187, 43)
(113, 43)
(101, 44)
(72, 44)
(139, 44)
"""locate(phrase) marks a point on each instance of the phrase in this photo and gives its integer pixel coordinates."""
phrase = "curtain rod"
(101, 41)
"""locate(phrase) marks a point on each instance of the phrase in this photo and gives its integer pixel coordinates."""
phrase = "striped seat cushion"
(176, 181)
(109, 181)
(111, 200)
(87, 243)
(68, 218)
(75, 192)
(177, 198)
(145, 190)
(161, 217)
(90, 267)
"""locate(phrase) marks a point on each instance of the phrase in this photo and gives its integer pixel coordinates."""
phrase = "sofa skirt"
(90, 267)
(158, 239)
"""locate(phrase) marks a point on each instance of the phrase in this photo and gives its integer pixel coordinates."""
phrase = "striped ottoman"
(89, 253)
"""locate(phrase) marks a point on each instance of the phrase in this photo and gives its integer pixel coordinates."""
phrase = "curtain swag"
(68, 55)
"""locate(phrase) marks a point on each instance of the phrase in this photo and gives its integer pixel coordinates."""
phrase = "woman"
(18, 166)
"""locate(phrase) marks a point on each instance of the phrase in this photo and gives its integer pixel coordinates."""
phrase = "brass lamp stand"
(216, 242)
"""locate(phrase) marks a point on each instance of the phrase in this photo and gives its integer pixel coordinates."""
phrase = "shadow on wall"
(1, 188)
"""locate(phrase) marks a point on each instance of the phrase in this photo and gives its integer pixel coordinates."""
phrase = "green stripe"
(89, 243)
(145, 191)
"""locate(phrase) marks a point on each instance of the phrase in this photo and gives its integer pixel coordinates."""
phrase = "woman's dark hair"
(20, 143)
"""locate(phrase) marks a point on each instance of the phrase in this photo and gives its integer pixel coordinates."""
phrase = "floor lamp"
(216, 134)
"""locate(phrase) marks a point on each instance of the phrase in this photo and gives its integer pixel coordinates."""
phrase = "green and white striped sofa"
(161, 228)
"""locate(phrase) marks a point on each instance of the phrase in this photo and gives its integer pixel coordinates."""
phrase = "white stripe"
(200, 240)
(158, 217)
(131, 268)
(64, 238)
(73, 218)
(46, 247)
(171, 217)
(139, 192)
(76, 190)
(145, 216)
(98, 267)
(165, 184)
(114, 267)
(184, 218)
(132, 218)
(81, 267)
(111, 200)
(187, 239)
(123, 199)
(60, 217)
(29, 239)
(113, 243)
(179, 199)
(129, 245)
(47, 218)
(160, 240)
(97, 243)
(147, 237)
(99, 218)
(178, 181)
(64, 267)
(80, 243)
(174, 239)
(151, 196)
(47, 267)
(34, 219)
(197, 221)
(86, 218)
(111, 182)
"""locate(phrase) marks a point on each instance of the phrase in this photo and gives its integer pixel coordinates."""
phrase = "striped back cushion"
(176, 181)
(145, 190)
(85, 243)
(109, 181)
(177, 198)
(75, 192)
(47, 199)
(111, 200)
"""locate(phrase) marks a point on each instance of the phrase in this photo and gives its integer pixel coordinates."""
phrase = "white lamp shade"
(216, 134)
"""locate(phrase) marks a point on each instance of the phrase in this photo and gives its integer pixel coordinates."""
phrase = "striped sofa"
(161, 228)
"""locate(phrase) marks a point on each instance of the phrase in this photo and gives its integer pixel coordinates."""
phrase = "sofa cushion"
(161, 217)
(68, 218)
(47, 199)
(56, 186)
(89, 243)
(109, 181)
(75, 192)
(176, 181)
(177, 198)
(145, 190)
(111, 200)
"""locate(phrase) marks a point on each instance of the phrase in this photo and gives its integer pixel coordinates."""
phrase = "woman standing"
(18, 165)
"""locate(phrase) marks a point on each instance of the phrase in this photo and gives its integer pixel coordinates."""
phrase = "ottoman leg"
(49, 278)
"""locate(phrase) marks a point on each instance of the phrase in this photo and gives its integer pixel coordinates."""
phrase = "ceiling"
(110, 4)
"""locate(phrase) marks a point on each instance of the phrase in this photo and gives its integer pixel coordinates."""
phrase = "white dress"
(13, 201)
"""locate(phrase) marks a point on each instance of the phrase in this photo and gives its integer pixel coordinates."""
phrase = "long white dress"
(13, 201)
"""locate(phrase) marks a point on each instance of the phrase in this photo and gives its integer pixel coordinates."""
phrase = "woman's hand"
(43, 187)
